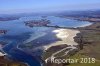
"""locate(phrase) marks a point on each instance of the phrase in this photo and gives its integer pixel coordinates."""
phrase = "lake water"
(18, 32)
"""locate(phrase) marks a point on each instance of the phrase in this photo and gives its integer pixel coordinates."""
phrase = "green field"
(78, 56)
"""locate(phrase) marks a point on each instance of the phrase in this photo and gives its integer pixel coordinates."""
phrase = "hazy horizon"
(26, 6)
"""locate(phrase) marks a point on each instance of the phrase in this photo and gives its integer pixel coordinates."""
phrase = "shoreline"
(67, 39)
(66, 36)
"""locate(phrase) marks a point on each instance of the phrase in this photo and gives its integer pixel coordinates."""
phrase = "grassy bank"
(89, 42)
(6, 62)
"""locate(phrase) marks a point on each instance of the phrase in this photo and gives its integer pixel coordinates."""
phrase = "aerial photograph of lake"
(49, 33)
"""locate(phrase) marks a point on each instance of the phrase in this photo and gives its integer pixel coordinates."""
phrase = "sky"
(17, 6)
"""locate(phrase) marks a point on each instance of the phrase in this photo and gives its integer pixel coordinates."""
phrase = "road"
(71, 48)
